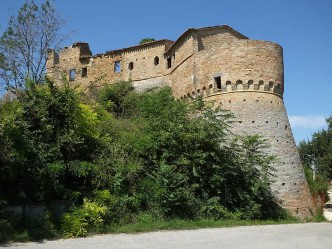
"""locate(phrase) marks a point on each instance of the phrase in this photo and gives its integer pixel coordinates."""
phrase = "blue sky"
(302, 27)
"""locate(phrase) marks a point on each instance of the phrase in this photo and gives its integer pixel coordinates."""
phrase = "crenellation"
(219, 64)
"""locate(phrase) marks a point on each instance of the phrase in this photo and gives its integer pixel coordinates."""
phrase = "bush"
(81, 220)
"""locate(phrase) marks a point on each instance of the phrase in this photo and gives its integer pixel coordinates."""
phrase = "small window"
(169, 62)
(217, 81)
(84, 72)
(72, 75)
(117, 67)
(156, 61)
(131, 66)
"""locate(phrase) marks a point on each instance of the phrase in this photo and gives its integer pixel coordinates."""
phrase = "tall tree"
(318, 150)
(25, 42)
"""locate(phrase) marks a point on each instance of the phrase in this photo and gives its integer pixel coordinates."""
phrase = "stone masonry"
(245, 76)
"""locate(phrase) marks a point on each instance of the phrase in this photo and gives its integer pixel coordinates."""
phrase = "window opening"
(84, 72)
(72, 75)
(156, 61)
(169, 62)
(217, 81)
(117, 67)
(131, 66)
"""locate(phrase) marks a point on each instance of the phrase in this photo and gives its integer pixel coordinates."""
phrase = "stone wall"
(138, 63)
(264, 113)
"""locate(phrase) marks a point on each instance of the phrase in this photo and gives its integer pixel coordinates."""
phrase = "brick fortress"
(245, 76)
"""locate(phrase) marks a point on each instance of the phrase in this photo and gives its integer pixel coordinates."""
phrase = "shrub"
(81, 220)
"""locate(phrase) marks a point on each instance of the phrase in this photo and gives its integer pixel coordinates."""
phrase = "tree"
(318, 150)
(47, 138)
(24, 44)
(146, 40)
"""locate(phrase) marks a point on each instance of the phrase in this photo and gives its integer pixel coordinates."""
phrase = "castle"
(218, 63)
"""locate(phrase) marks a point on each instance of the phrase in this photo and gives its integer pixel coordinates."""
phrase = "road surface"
(291, 236)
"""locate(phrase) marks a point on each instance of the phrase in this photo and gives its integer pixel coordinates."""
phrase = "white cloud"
(307, 122)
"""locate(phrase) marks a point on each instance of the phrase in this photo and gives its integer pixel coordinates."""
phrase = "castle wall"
(145, 63)
(245, 64)
(181, 74)
(213, 38)
(264, 113)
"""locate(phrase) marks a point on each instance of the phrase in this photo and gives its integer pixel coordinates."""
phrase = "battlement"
(229, 87)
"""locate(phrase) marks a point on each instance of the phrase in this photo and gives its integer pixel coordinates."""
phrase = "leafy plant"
(80, 220)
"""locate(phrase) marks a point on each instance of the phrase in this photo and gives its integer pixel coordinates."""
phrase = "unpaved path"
(291, 236)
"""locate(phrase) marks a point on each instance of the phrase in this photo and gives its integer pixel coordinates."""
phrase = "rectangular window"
(117, 67)
(84, 72)
(72, 75)
(217, 81)
(169, 62)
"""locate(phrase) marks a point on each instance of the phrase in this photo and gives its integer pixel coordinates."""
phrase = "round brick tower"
(246, 77)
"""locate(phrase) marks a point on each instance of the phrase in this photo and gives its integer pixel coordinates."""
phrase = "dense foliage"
(126, 156)
(318, 151)
(316, 155)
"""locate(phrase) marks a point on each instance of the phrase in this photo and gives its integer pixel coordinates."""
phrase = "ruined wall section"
(143, 64)
(71, 62)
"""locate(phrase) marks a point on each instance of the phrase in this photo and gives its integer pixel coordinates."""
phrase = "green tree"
(318, 151)
(146, 40)
(185, 155)
(51, 138)
(24, 44)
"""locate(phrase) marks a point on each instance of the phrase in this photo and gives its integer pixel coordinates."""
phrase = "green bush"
(81, 220)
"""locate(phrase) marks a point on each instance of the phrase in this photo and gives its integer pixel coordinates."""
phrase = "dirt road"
(304, 236)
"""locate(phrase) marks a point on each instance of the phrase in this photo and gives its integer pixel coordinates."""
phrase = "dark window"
(156, 61)
(84, 72)
(72, 75)
(131, 66)
(169, 62)
(217, 81)
(117, 67)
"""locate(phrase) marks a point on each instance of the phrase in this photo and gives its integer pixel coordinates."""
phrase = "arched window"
(156, 61)
(228, 86)
(131, 66)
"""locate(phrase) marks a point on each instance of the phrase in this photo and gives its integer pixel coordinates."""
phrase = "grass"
(177, 224)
